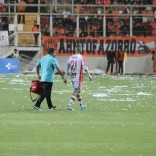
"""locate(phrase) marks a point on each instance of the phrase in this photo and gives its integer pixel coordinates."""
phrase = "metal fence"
(78, 20)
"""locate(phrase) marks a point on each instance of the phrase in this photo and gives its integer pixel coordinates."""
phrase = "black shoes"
(37, 108)
(52, 108)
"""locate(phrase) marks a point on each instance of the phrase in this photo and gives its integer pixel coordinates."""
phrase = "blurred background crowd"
(117, 18)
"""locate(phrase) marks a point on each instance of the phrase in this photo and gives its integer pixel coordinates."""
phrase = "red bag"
(37, 88)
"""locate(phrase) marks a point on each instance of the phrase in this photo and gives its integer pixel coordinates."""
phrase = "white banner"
(4, 38)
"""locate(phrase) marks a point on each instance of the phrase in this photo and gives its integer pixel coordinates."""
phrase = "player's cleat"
(69, 108)
(37, 108)
(82, 107)
(52, 108)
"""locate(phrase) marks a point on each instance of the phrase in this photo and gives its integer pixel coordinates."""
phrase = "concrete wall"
(140, 64)
(133, 64)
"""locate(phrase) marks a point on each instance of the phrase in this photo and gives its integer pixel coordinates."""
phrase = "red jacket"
(121, 56)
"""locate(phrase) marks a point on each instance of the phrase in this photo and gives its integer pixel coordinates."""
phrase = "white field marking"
(128, 100)
(13, 88)
(27, 75)
(121, 86)
(24, 84)
(102, 87)
(116, 88)
(62, 91)
(17, 75)
(140, 87)
(17, 89)
(113, 89)
(69, 85)
(58, 80)
(4, 88)
(124, 78)
(143, 93)
(19, 97)
(113, 94)
(17, 80)
(20, 81)
(99, 95)
(123, 94)
(4, 79)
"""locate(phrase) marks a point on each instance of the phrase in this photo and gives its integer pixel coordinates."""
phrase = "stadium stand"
(91, 13)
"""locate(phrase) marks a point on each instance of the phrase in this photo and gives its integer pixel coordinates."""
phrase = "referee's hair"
(51, 50)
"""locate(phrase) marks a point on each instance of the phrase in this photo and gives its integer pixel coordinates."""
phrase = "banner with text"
(135, 46)
(9, 65)
(4, 38)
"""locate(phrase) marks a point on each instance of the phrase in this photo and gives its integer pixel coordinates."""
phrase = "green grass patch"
(120, 118)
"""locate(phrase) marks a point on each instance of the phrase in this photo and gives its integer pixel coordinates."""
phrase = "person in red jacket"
(120, 61)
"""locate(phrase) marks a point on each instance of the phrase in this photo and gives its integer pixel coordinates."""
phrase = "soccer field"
(120, 118)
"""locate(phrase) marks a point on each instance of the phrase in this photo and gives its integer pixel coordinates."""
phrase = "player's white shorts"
(77, 84)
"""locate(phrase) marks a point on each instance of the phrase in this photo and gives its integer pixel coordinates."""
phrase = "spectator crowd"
(117, 19)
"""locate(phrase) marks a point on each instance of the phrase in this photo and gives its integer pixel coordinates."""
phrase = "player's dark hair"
(51, 50)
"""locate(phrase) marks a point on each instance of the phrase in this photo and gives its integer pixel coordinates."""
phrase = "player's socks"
(82, 106)
(71, 101)
(80, 101)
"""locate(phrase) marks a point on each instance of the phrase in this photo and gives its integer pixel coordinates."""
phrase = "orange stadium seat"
(95, 27)
(44, 20)
(54, 31)
(78, 9)
(88, 28)
(154, 2)
(1, 8)
(153, 25)
(153, 28)
(145, 18)
(61, 31)
(144, 12)
(149, 12)
(115, 18)
(107, 2)
(117, 24)
(80, 31)
(86, 12)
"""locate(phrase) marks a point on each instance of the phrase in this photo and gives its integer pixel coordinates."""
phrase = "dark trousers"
(47, 88)
(120, 67)
(19, 19)
(36, 38)
(108, 65)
